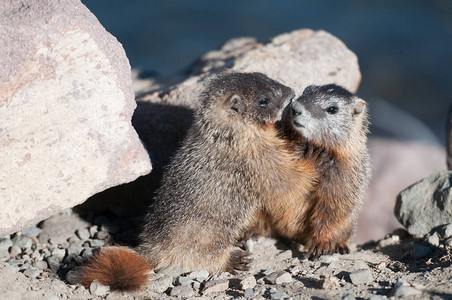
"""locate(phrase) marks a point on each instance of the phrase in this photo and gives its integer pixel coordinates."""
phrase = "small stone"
(98, 289)
(54, 263)
(196, 285)
(32, 272)
(83, 234)
(403, 288)
(215, 286)
(248, 293)
(96, 243)
(446, 231)
(448, 242)
(92, 231)
(75, 248)
(267, 272)
(327, 259)
(330, 283)
(184, 281)
(14, 251)
(278, 295)
(160, 283)
(284, 255)
(101, 235)
(33, 231)
(24, 242)
(348, 297)
(361, 276)
(419, 251)
(40, 264)
(433, 239)
(378, 297)
(182, 291)
(87, 252)
(200, 275)
(59, 253)
(249, 245)
(248, 282)
(278, 278)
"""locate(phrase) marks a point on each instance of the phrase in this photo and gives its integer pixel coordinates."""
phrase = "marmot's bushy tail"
(120, 268)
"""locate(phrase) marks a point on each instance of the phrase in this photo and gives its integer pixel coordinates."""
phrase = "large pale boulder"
(66, 105)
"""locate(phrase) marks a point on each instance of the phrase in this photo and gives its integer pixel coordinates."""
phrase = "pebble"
(24, 242)
(278, 278)
(33, 231)
(267, 272)
(433, 239)
(87, 252)
(327, 259)
(184, 281)
(14, 251)
(83, 234)
(75, 249)
(92, 231)
(278, 295)
(96, 243)
(249, 245)
(378, 297)
(98, 289)
(419, 251)
(160, 283)
(32, 272)
(361, 276)
(54, 263)
(248, 282)
(248, 293)
(200, 275)
(101, 235)
(182, 291)
(446, 231)
(348, 297)
(59, 253)
(40, 264)
(403, 288)
(215, 286)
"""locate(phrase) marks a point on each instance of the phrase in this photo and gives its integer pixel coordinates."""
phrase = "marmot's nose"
(295, 112)
(296, 108)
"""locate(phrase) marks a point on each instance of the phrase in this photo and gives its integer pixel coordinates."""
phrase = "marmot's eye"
(264, 102)
(332, 110)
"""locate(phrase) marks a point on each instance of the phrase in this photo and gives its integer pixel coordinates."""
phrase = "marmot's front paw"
(239, 261)
(319, 248)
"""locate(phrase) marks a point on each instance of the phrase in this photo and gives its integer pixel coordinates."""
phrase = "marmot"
(231, 167)
(331, 122)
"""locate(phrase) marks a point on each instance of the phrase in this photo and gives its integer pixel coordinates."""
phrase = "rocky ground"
(36, 261)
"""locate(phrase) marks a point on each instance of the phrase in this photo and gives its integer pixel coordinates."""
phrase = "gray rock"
(98, 289)
(59, 253)
(83, 234)
(284, 255)
(56, 54)
(182, 291)
(160, 283)
(87, 252)
(23, 242)
(348, 297)
(75, 249)
(403, 288)
(446, 231)
(184, 281)
(40, 264)
(419, 251)
(101, 235)
(278, 295)
(5, 243)
(33, 231)
(267, 272)
(361, 276)
(199, 275)
(248, 282)
(96, 243)
(14, 251)
(327, 259)
(433, 239)
(32, 272)
(278, 278)
(248, 293)
(60, 228)
(54, 263)
(215, 286)
(426, 204)
(93, 230)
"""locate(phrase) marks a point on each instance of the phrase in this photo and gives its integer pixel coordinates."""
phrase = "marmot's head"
(328, 115)
(250, 98)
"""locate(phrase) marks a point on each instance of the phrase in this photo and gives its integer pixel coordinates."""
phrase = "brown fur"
(230, 168)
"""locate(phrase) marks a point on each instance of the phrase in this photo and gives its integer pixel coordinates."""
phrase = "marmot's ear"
(236, 104)
(358, 106)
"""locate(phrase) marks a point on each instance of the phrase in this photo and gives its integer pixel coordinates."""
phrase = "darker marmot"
(331, 123)
(231, 165)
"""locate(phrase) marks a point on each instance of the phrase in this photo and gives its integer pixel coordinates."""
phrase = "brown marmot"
(231, 167)
(331, 122)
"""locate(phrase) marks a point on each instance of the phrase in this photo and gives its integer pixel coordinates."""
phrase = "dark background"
(404, 46)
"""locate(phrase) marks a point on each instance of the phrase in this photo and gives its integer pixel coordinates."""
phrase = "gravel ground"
(35, 264)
